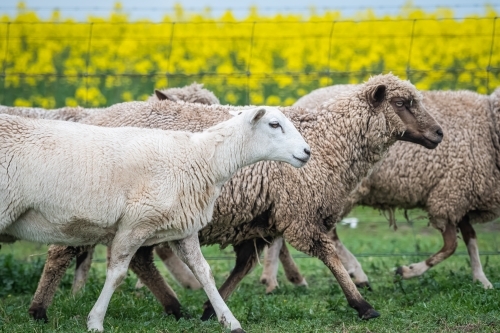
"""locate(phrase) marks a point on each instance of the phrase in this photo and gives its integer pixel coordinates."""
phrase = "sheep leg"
(123, 248)
(278, 249)
(177, 268)
(83, 262)
(247, 253)
(270, 271)
(450, 244)
(321, 246)
(292, 272)
(350, 262)
(58, 260)
(469, 235)
(143, 265)
(188, 249)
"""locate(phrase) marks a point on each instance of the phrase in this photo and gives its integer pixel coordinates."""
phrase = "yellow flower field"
(256, 60)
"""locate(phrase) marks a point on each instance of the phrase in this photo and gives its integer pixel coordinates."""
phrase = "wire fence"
(255, 61)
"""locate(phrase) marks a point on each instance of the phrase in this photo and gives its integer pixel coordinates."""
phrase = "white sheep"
(193, 93)
(74, 184)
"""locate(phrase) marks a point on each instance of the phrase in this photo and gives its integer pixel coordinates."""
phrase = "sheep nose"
(307, 151)
(439, 132)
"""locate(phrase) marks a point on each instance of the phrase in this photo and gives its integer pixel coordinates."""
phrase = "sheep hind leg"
(143, 266)
(177, 268)
(350, 263)
(321, 246)
(270, 271)
(450, 244)
(83, 262)
(122, 250)
(247, 253)
(188, 249)
(56, 264)
(292, 272)
(469, 235)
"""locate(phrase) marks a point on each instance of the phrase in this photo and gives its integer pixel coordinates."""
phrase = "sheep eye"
(399, 104)
(274, 124)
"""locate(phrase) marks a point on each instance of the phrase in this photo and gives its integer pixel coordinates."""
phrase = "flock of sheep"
(180, 170)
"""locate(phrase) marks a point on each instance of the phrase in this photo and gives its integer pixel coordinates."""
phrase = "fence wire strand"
(331, 35)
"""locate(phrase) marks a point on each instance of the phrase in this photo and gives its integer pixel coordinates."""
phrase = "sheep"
(456, 184)
(349, 134)
(194, 93)
(126, 187)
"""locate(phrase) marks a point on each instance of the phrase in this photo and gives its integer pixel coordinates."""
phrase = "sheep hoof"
(238, 330)
(363, 285)
(176, 312)
(370, 314)
(38, 313)
(208, 313)
(399, 271)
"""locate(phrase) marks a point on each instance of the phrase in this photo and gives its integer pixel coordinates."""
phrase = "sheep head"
(193, 93)
(406, 116)
(273, 136)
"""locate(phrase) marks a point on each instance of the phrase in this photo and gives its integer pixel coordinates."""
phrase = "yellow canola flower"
(265, 59)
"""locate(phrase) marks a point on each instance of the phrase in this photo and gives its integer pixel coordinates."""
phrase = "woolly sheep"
(193, 93)
(349, 135)
(457, 184)
(126, 187)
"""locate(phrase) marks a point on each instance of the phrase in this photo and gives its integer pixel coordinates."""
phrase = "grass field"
(444, 300)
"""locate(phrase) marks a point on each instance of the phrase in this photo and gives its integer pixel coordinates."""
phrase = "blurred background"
(97, 53)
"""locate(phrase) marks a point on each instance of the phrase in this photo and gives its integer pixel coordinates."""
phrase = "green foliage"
(443, 300)
(17, 277)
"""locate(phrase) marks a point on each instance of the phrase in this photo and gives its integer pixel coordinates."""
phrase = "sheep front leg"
(350, 262)
(247, 253)
(188, 249)
(450, 244)
(320, 245)
(58, 260)
(143, 265)
(122, 249)
(469, 235)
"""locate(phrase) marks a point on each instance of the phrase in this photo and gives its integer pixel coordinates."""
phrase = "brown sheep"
(457, 184)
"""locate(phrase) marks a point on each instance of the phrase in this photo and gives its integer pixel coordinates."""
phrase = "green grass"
(443, 300)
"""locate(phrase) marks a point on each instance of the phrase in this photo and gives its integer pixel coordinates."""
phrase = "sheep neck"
(223, 149)
(347, 149)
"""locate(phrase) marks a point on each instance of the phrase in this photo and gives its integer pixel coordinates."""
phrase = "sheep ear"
(234, 113)
(257, 115)
(164, 96)
(376, 95)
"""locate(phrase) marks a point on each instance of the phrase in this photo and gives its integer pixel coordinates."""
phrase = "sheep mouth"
(431, 143)
(423, 140)
(303, 160)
